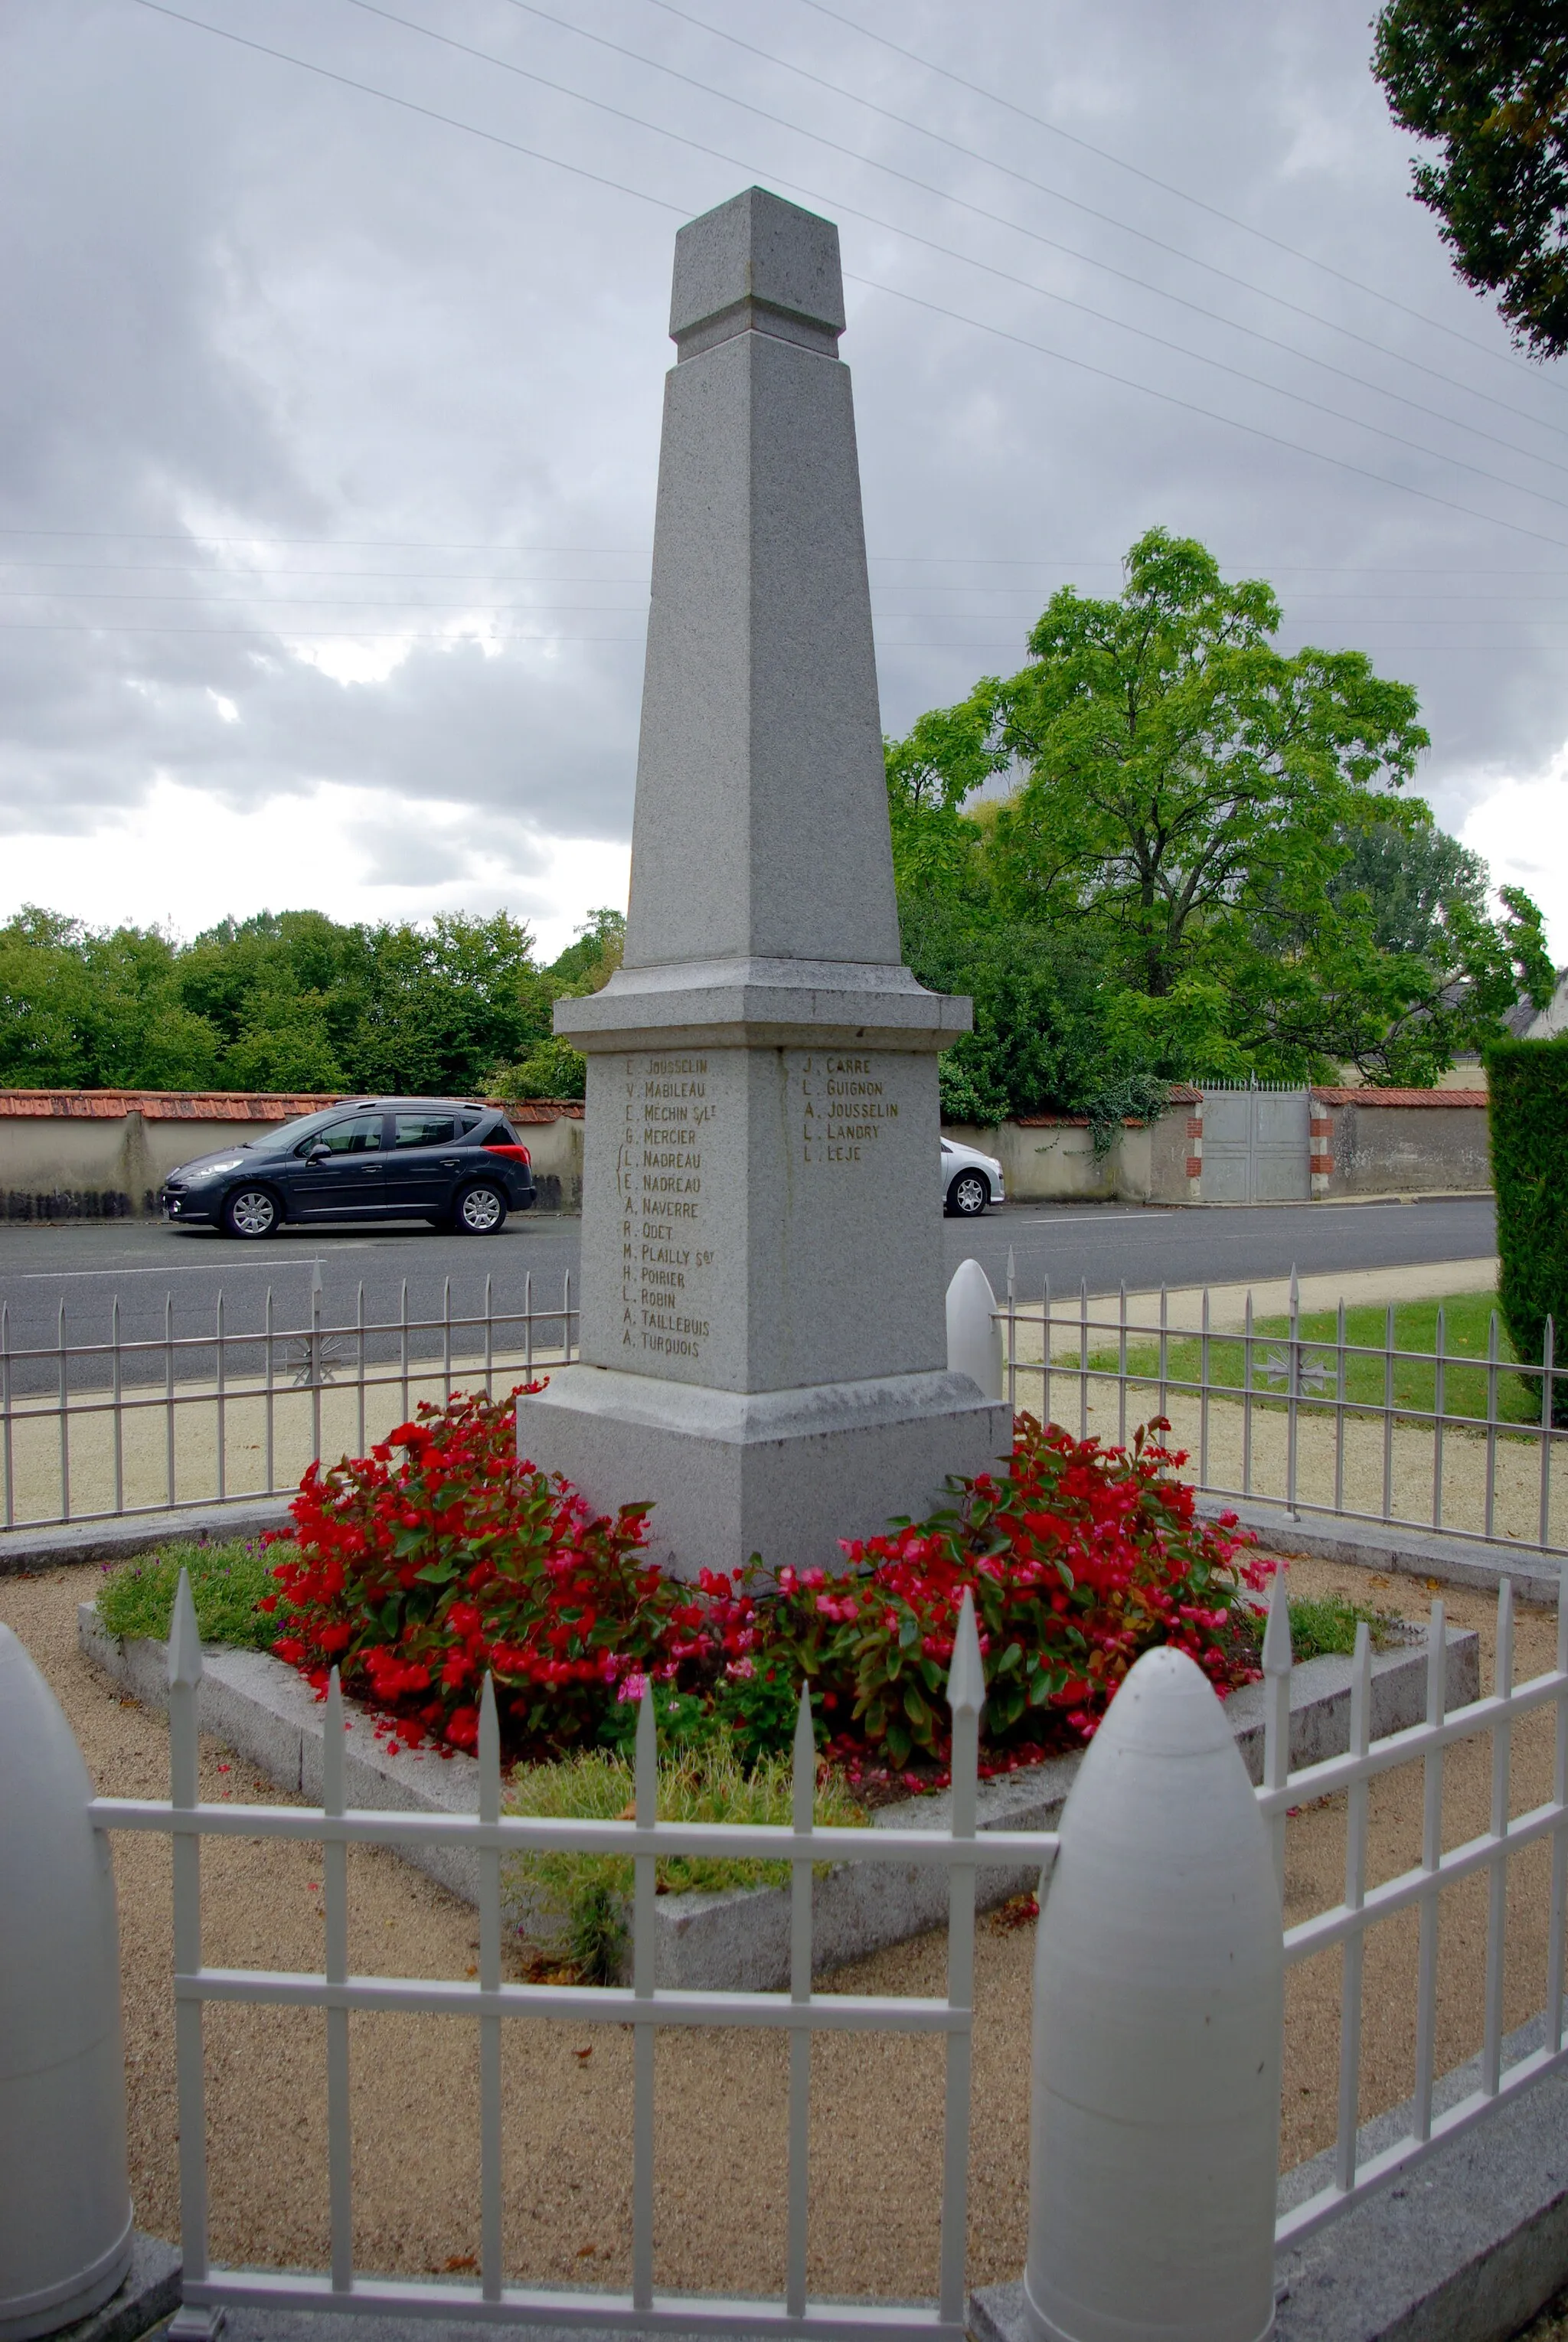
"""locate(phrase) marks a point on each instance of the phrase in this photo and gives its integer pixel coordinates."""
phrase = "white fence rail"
(1348, 1922)
(1320, 1424)
(1365, 1903)
(489, 2001)
(92, 1429)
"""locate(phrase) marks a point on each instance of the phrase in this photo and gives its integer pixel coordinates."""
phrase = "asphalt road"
(160, 1275)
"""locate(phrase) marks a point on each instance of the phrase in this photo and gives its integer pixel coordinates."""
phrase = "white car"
(970, 1180)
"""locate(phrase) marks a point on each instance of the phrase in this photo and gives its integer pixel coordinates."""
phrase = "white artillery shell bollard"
(973, 1333)
(1158, 2019)
(65, 2198)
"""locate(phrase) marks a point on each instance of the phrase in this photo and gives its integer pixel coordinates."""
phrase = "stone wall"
(1050, 1156)
(1362, 1142)
(102, 1155)
(1367, 1142)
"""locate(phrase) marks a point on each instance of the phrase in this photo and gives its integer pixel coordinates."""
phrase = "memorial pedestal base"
(783, 1473)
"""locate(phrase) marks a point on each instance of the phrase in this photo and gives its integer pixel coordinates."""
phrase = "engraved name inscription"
(843, 1110)
(667, 1110)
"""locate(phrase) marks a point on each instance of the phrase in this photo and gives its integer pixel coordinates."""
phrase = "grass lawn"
(1467, 1319)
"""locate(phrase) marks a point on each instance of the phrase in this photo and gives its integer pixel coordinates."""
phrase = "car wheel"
(968, 1195)
(481, 1211)
(252, 1212)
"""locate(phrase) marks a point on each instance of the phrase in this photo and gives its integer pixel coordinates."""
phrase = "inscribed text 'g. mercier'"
(659, 1179)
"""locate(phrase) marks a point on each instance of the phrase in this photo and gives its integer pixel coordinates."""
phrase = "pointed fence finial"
(1277, 1655)
(648, 1772)
(489, 1753)
(803, 1803)
(966, 1675)
(973, 1333)
(333, 1795)
(185, 1637)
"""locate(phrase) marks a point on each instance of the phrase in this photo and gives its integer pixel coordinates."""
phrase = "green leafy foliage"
(227, 1582)
(294, 1002)
(588, 1896)
(1528, 1086)
(1488, 80)
(1206, 864)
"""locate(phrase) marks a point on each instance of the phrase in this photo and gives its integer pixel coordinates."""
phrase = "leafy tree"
(587, 965)
(1489, 80)
(448, 1002)
(283, 1001)
(1415, 881)
(1202, 824)
(553, 1068)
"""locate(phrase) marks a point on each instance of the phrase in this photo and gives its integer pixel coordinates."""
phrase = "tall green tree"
(1487, 80)
(1185, 802)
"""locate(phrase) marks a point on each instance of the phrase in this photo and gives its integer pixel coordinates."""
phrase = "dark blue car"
(453, 1161)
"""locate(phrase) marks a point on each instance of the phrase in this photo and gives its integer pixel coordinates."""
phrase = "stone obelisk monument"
(762, 1333)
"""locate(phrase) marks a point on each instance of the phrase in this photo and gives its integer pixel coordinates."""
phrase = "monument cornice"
(763, 1003)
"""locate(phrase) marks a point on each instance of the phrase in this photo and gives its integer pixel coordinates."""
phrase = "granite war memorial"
(762, 1345)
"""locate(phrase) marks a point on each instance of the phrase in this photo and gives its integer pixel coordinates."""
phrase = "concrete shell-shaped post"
(65, 2198)
(973, 1334)
(1158, 2022)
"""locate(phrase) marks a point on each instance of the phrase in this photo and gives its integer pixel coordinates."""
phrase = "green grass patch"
(1326, 1623)
(590, 1894)
(1467, 1318)
(227, 1581)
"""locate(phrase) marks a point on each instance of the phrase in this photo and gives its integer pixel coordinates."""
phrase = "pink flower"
(633, 1688)
(743, 1668)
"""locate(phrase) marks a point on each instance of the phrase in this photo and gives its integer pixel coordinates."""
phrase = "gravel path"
(876, 2102)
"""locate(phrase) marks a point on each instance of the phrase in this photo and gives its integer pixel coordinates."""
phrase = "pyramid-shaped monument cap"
(756, 254)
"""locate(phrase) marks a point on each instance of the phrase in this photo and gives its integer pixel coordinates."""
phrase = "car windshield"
(289, 1134)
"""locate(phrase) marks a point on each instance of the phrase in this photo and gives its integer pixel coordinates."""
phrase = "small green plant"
(227, 1581)
(1324, 1623)
(588, 1894)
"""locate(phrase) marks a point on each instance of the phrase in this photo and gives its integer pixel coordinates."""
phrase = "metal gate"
(1254, 1144)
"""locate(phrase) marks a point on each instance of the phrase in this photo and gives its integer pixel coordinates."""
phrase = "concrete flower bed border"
(738, 1939)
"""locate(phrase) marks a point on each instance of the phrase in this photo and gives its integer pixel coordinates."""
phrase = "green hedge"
(1528, 1084)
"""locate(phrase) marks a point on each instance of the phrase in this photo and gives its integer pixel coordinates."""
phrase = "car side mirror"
(319, 1155)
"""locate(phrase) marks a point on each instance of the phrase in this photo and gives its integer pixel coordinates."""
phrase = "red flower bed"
(415, 1576)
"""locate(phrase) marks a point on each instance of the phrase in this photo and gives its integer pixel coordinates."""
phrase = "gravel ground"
(876, 2101)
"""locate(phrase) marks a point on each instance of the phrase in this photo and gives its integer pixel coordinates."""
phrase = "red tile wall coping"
(1368, 1097)
(227, 1106)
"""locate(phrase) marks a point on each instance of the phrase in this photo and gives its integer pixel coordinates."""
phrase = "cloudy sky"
(329, 423)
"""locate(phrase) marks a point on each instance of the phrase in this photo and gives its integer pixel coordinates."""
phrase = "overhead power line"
(1058, 194)
(160, 7)
(436, 544)
(1167, 187)
(1004, 276)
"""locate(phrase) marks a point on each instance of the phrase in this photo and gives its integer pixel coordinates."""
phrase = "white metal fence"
(1432, 1440)
(97, 1427)
(1345, 1923)
(92, 1427)
(1348, 1922)
(489, 2001)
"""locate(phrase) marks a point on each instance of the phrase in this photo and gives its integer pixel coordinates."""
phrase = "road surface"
(161, 1276)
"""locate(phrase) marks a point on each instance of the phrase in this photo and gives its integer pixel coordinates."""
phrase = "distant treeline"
(293, 1001)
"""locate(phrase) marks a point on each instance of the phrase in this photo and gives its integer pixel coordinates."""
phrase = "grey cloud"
(255, 305)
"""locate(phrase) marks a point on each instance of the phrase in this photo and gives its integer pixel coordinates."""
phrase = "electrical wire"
(1004, 276)
(1058, 195)
(1167, 187)
(1274, 438)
